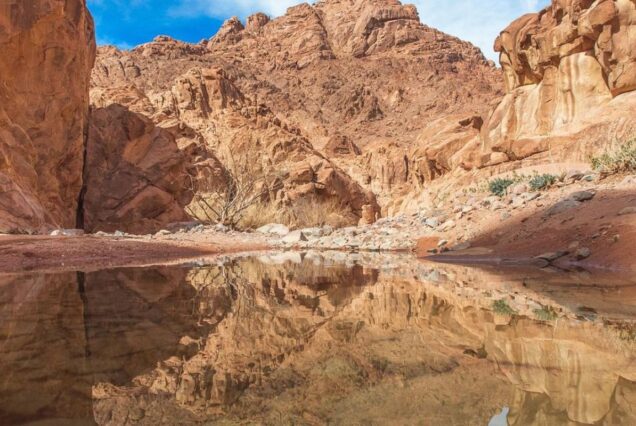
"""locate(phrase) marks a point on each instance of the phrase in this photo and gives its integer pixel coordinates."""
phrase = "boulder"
(582, 196)
(583, 253)
(562, 206)
(552, 256)
(294, 237)
(274, 229)
(627, 211)
(67, 233)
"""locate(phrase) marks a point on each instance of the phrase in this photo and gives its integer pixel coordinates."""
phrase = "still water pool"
(317, 338)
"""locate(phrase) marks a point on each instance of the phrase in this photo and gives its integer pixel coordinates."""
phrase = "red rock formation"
(367, 71)
(136, 177)
(47, 50)
(570, 74)
(220, 117)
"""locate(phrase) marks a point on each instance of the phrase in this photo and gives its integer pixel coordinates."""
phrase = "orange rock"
(136, 177)
(48, 49)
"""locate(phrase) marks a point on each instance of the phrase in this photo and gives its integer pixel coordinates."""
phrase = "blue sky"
(127, 23)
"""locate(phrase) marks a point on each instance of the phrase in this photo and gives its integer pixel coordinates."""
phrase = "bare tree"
(247, 185)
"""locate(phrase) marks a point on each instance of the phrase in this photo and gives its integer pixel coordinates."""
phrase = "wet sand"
(48, 254)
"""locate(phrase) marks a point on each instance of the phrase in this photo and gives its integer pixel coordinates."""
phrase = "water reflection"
(314, 339)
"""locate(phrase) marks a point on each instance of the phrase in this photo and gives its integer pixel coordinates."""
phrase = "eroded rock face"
(136, 178)
(532, 45)
(570, 74)
(205, 110)
(48, 50)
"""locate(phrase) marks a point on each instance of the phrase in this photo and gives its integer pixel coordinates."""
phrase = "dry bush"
(312, 212)
(261, 214)
(248, 186)
(306, 212)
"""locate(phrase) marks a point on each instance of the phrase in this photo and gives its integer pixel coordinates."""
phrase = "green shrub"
(501, 307)
(619, 159)
(546, 313)
(499, 186)
(545, 181)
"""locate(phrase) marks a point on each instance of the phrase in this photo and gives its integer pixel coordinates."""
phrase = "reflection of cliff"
(300, 339)
(296, 342)
(577, 369)
(42, 349)
(59, 334)
(266, 313)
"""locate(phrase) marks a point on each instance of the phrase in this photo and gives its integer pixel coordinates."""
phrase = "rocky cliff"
(48, 50)
(570, 75)
(136, 177)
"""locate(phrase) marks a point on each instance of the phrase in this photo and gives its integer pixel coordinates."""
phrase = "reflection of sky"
(128, 23)
(500, 419)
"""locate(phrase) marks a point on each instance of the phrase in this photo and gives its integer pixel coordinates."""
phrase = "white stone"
(294, 237)
(274, 229)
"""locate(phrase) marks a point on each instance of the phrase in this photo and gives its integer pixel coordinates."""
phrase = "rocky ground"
(582, 221)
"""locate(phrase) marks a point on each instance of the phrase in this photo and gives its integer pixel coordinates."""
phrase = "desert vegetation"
(502, 307)
(621, 157)
(499, 186)
(541, 182)
(248, 186)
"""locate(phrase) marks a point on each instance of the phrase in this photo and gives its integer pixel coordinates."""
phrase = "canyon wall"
(136, 177)
(48, 50)
(354, 103)
(570, 76)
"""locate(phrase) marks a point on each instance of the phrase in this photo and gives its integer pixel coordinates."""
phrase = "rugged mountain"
(48, 50)
(340, 98)
(349, 108)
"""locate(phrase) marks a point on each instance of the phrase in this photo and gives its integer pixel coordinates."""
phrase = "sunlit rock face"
(206, 111)
(570, 74)
(48, 50)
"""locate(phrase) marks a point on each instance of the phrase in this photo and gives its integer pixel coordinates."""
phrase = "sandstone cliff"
(48, 50)
(570, 75)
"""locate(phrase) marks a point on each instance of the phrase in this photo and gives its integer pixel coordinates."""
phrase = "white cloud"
(105, 41)
(478, 21)
(227, 8)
